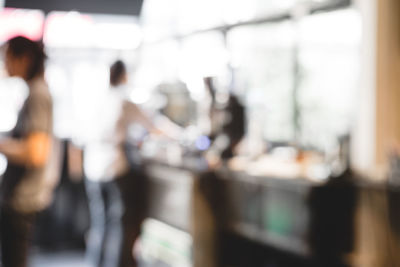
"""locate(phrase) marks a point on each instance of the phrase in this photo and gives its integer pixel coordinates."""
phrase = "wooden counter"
(298, 219)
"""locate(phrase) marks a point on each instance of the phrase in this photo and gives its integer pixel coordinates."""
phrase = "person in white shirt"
(106, 167)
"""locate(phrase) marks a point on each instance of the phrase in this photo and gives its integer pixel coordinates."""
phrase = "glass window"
(263, 63)
(159, 19)
(328, 65)
(73, 29)
(203, 55)
(158, 64)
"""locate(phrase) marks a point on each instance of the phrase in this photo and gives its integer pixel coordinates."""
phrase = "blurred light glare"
(238, 10)
(118, 36)
(159, 19)
(329, 56)
(342, 27)
(3, 164)
(68, 29)
(13, 92)
(73, 29)
(28, 23)
(139, 96)
(263, 60)
(203, 143)
(8, 122)
(89, 87)
(202, 56)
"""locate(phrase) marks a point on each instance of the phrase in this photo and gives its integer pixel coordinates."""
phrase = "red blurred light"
(28, 23)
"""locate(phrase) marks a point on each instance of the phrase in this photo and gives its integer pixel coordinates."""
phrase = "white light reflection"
(334, 28)
(202, 56)
(3, 164)
(68, 30)
(330, 62)
(159, 64)
(118, 35)
(263, 59)
(73, 29)
(89, 86)
(28, 23)
(139, 96)
(13, 92)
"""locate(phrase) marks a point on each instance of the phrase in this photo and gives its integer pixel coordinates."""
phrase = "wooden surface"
(388, 79)
(376, 241)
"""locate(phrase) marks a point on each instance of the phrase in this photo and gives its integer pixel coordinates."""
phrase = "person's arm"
(161, 125)
(134, 113)
(171, 129)
(32, 151)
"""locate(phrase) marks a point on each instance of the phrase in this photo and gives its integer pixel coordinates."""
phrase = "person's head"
(118, 73)
(24, 58)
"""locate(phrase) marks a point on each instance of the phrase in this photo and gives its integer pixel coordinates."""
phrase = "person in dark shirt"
(26, 186)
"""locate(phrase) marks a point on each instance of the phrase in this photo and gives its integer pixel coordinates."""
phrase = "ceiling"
(122, 7)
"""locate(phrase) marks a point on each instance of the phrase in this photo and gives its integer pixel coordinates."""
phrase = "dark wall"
(125, 7)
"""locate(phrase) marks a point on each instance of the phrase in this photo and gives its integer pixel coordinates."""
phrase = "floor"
(64, 259)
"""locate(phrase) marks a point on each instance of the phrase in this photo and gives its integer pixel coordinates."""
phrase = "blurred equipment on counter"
(180, 108)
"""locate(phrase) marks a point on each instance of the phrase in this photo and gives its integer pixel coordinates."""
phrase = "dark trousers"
(16, 233)
(114, 222)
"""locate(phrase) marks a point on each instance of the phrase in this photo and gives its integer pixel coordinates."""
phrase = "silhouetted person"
(26, 187)
(113, 230)
(226, 119)
(234, 125)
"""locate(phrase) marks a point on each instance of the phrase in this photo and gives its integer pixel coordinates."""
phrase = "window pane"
(329, 65)
(263, 62)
